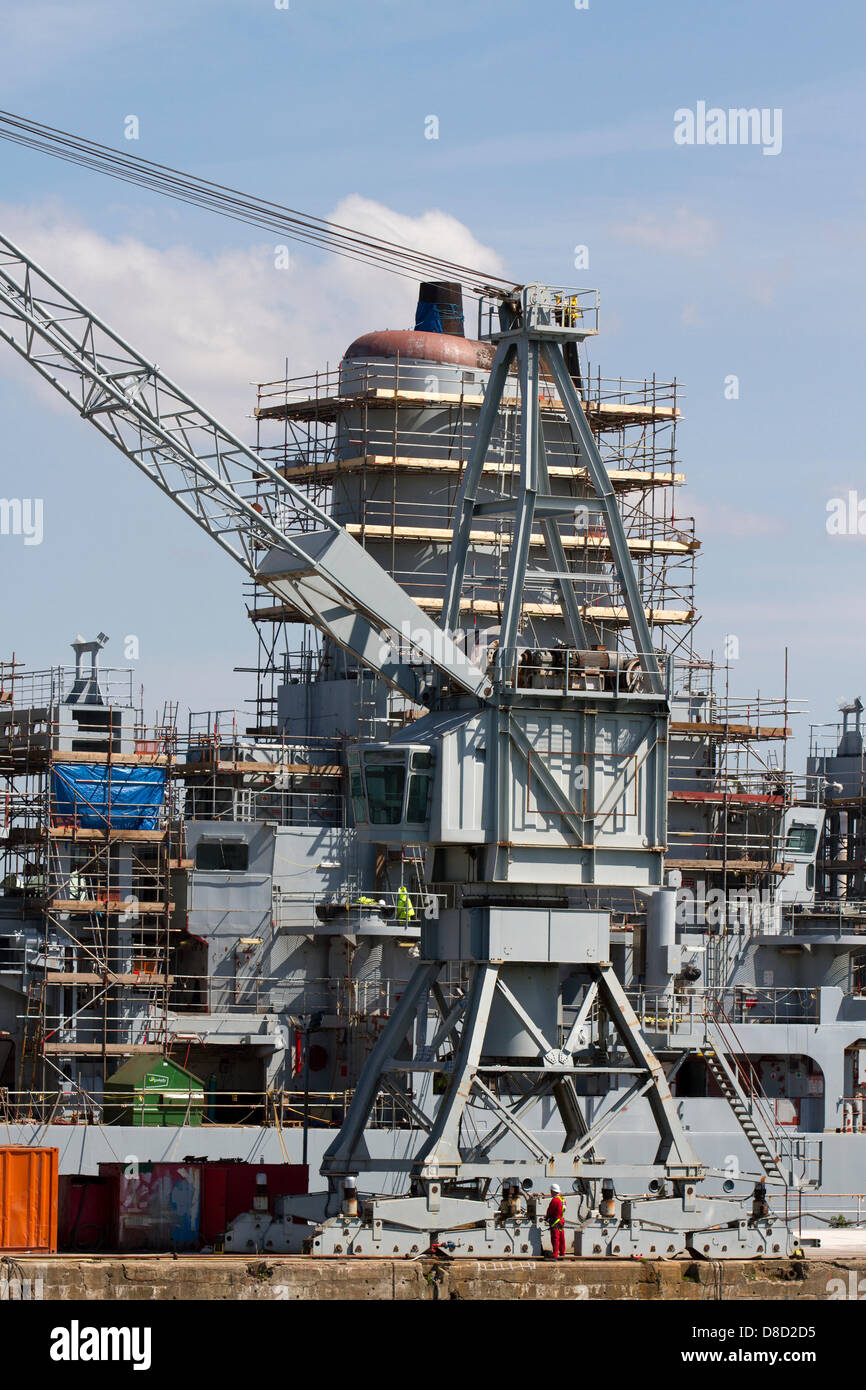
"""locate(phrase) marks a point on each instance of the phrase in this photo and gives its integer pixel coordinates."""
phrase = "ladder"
(33, 1031)
(413, 855)
(728, 1082)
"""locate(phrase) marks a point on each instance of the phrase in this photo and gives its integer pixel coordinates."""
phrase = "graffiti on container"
(159, 1207)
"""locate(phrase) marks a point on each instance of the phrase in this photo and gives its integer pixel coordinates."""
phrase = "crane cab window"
(397, 782)
(385, 775)
(418, 800)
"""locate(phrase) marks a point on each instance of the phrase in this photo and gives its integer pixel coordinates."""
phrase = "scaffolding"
(729, 774)
(87, 844)
(837, 774)
(230, 773)
(383, 444)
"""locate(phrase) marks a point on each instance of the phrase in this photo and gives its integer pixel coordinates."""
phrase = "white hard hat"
(350, 1182)
(554, 1187)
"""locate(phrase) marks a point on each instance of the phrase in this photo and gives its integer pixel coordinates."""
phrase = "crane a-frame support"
(535, 342)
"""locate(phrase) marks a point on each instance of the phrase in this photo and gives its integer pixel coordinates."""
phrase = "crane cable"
(242, 207)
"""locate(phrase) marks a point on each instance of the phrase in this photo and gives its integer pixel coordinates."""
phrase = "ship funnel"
(440, 308)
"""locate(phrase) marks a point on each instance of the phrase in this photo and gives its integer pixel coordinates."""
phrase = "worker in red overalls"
(556, 1221)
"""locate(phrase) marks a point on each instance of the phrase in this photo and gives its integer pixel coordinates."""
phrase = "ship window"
(801, 839)
(386, 783)
(222, 855)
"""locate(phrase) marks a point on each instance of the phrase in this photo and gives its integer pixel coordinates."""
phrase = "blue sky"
(556, 129)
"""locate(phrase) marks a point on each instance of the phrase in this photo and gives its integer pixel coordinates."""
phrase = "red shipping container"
(85, 1213)
(28, 1199)
(228, 1188)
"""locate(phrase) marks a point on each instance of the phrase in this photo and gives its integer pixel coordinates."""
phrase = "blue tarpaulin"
(427, 317)
(97, 796)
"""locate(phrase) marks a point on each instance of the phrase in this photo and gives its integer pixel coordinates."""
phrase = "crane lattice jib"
(237, 497)
(270, 527)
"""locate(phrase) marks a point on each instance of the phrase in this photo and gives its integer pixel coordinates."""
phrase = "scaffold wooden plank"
(600, 413)
(726, 730)
(79, 1049)
(132, 906)
(71, 832)
(61, 755)
(638, 545)
(731, 866)
(208, 767)
(283, 612)
(68, 978)
(728, 798)
(622, 479)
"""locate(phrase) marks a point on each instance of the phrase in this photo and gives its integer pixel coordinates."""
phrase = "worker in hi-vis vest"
(405, 910)
(556, 1221)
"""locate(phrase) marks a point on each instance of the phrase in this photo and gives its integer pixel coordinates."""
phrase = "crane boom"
(280, 537)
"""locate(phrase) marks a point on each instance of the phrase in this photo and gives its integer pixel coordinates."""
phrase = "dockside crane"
(590, 753)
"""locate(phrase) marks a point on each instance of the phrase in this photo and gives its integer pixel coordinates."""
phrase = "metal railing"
(744, 1004)
(280, 1109)
(359, 377)
(296, 806)
(569, 308)
(406, 906)
(689, 1014)
(50, 687)
(845, 917)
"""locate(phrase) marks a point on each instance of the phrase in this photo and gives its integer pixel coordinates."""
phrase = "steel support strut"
(444, 1152)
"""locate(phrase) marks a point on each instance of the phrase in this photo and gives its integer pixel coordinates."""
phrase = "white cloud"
(684, 233)
(218, 322)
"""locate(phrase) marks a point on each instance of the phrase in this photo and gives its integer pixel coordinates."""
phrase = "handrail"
(747, 1073)
(268, 1109)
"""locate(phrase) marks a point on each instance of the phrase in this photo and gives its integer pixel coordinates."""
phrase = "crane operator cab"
(390, 787)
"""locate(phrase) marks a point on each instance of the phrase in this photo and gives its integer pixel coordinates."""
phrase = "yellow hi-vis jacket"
(405, 910)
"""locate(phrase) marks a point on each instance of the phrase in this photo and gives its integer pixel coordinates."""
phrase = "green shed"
(151, 1090)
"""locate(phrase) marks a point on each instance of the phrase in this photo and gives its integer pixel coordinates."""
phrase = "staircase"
(728, 1082)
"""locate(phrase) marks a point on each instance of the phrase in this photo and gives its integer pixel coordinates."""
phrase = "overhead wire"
(231, 203)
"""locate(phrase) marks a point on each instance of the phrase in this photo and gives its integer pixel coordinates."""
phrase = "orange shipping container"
(28, 1199)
